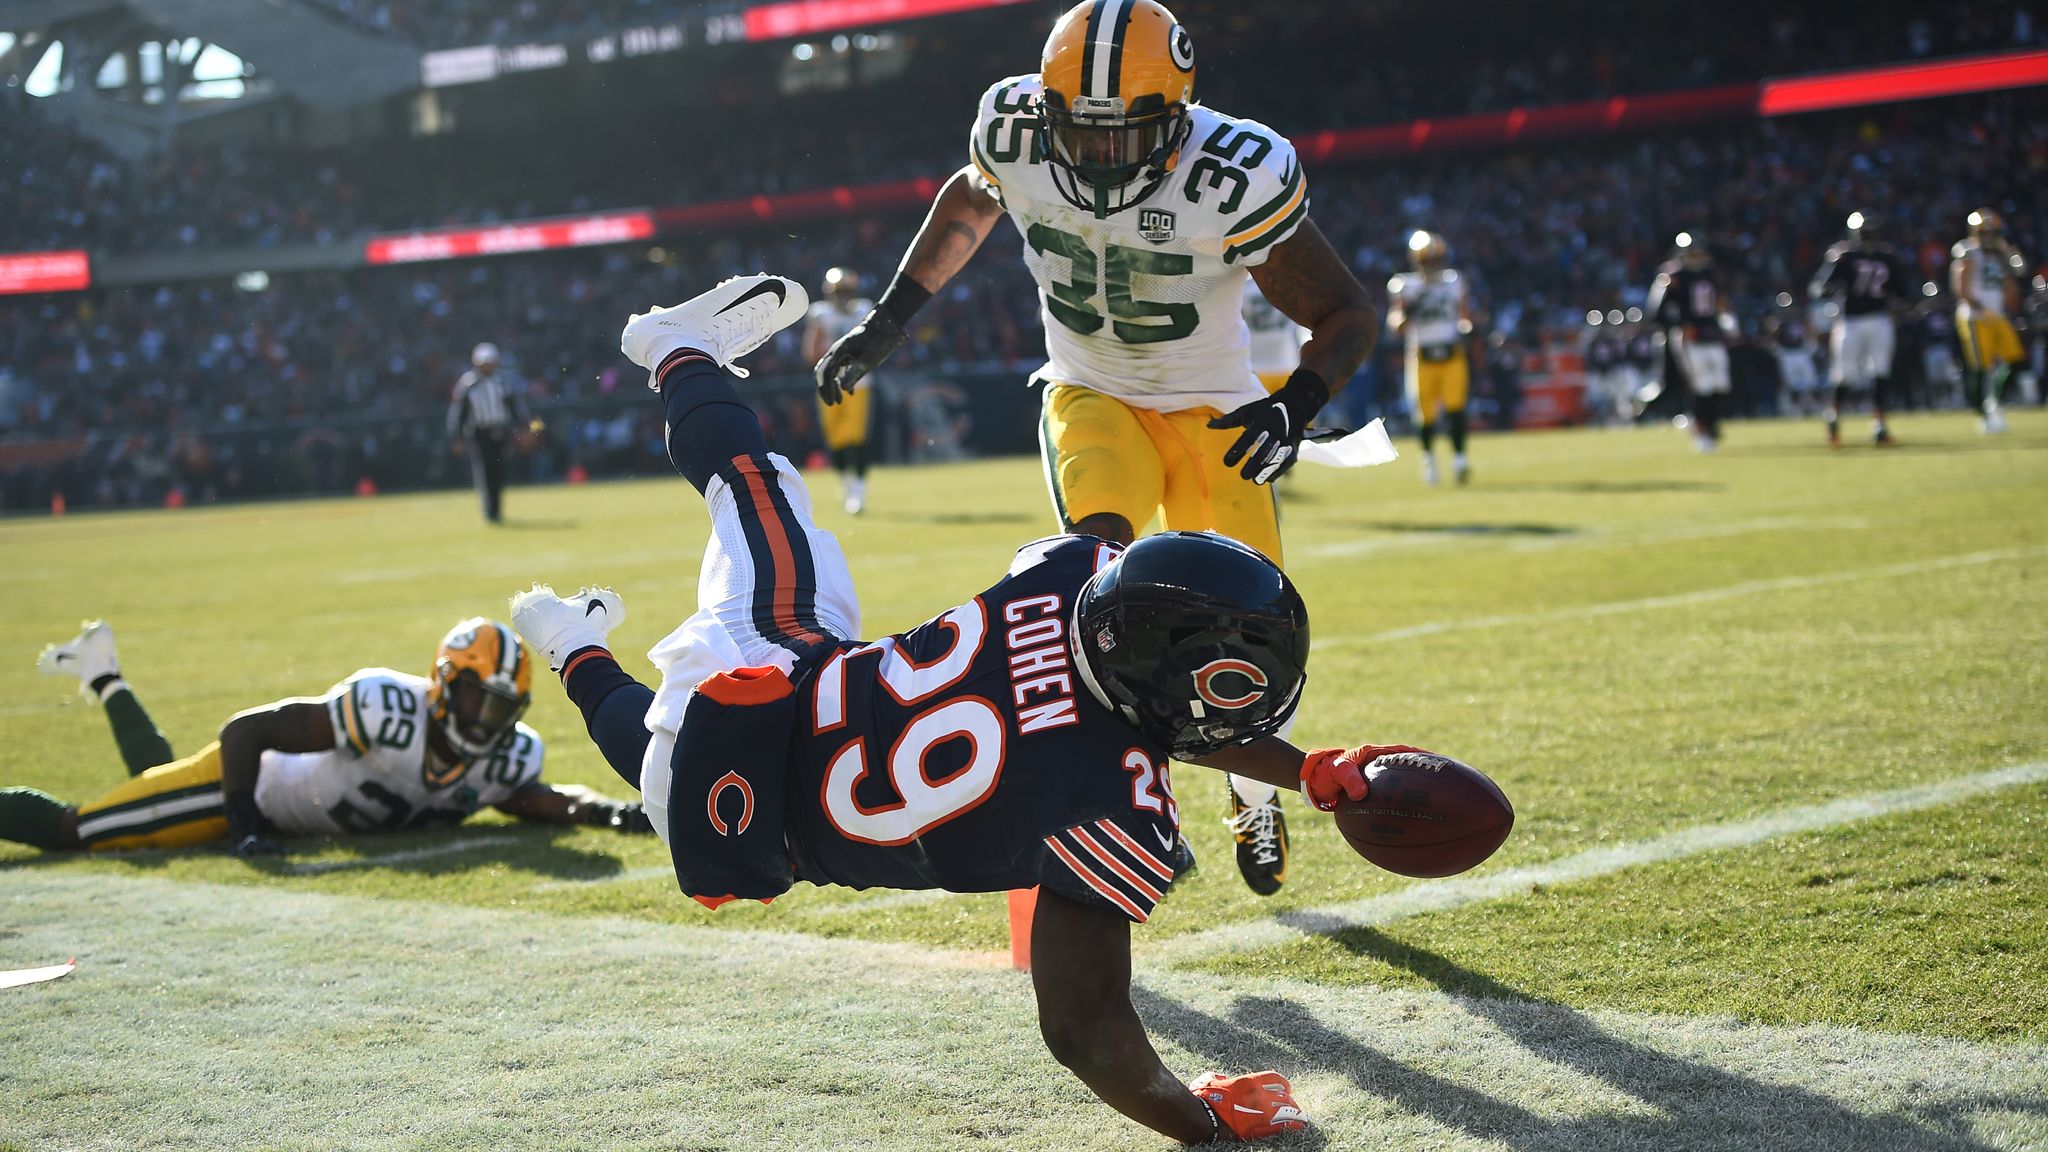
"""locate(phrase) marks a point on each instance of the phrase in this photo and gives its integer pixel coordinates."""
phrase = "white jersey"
(1986, 286)
(379, 776)
(835, 321)
(1276, 340)
(1143, 305)
(1433, 304)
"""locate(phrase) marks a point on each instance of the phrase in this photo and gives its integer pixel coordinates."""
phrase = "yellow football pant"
(1104, 456)
(845, 424)
(173, 805)
(1989, 341)
(1441, 382)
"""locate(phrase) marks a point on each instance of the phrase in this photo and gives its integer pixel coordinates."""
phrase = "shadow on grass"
(1448, 528)
(1606, 487)
(901, 517)
(541, 849)
(1695, 1105)
(540, 525)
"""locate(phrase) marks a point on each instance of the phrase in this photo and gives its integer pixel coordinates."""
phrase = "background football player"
(1867, 279)
(1686, 300)
(1020, 739)
(382, 751)
(1984, 275)
(1431, 308)
(846, 424)
(1142, 213)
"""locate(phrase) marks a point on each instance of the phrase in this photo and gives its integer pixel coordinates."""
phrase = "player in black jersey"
(1686, 301)
(1020, 739)
(1867, 278)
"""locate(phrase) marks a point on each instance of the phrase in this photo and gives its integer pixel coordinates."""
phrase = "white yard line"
(471, 844)
(1679, 600)
(1443, 895)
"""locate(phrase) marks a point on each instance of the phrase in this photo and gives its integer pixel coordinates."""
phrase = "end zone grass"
(1633, 640)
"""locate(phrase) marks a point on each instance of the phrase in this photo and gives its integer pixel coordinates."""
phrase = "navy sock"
(614, 707)
(708, 423)
(1428, 435)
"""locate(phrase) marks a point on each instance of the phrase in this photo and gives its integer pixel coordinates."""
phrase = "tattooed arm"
(960, 220)
(1306, 279)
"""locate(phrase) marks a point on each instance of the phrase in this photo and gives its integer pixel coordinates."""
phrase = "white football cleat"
(725, 323)
(1429, 474)
(856, 496)
(557, 628)
(88, 656)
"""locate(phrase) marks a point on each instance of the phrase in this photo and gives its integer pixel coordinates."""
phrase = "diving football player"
(381, 751)
(1143, 213)
(1022, 738)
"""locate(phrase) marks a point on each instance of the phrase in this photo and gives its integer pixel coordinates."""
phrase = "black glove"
(255, 844)
(248, 830)
(1273, 427)
(872, 341)
(628, 818)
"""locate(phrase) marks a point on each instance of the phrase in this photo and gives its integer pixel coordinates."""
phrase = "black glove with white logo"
(1273, 427)
(872, 341)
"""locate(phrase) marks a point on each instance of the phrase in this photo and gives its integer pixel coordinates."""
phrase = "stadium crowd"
(158, 380)
(67, 191)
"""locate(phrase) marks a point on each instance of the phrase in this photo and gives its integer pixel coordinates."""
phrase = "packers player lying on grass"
(381, 752)
(1021, 739)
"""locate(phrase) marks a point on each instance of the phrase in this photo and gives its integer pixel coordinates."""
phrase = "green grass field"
(1764, 889)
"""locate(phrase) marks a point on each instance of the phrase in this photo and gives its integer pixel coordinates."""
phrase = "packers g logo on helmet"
(480, 688)
(1118, 76)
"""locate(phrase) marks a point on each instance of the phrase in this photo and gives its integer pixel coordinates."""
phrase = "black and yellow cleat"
(1261, 834)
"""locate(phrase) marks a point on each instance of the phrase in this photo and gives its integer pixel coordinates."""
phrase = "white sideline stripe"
(1444, 895)
(1682, 599)
(318, 866)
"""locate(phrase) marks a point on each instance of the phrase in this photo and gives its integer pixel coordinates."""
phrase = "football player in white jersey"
(1275, 340)
(1432, 310)
(1985, 277)
(382, 751)
(1143, 214)
(846, 424)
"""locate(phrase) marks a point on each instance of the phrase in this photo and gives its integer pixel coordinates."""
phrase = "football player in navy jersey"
(1020, 739)
(1870, 280)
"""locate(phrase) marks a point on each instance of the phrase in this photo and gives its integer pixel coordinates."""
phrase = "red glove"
(1253, 1106)
(1331, 775)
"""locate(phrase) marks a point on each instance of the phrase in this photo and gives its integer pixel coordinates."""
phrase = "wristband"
(1310, 384)
(1215, 1121)
(901, 300)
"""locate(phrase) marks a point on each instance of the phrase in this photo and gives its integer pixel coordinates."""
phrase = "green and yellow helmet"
(1117, 79)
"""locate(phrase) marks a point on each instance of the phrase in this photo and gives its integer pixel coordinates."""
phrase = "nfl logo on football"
(1155, 224)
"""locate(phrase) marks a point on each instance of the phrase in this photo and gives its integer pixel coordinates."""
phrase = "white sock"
(1253, 792)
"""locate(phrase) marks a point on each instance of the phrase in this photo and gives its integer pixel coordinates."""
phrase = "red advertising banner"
(25, 272)
(792, 18)
(1889, 85)
(521, 236)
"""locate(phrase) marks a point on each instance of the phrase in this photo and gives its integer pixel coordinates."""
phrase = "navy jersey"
(967, 754)
(1867, 280)
(1689, 298)
(1603, 352)
(1642, 350)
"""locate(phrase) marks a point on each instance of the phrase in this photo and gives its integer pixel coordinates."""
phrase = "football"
(1426, 815)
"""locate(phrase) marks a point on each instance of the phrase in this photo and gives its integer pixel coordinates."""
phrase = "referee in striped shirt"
(488, 406)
